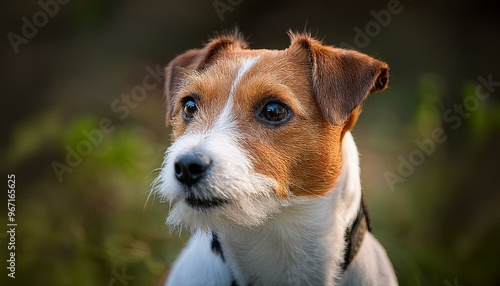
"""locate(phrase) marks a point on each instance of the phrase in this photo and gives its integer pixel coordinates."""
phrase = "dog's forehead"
(247, 72)
(262, 61)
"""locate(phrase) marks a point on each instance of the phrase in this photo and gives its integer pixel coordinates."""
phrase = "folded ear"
(341, 79)
(198, 59)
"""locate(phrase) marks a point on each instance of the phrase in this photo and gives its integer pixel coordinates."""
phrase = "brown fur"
(322, 85)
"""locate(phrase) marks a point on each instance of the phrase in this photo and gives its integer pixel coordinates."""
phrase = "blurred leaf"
(30, 136)
(482, 120)
(431, 90)
(76, 130)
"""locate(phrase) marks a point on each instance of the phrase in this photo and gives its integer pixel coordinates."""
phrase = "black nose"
(191, 167)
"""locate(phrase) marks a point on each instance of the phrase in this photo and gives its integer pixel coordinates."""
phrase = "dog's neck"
(303, 244)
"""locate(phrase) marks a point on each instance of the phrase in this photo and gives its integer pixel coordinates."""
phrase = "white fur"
(198, 265)
(301, 244)
(247, 65)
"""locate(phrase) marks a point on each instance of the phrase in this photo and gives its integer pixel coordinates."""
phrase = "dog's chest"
(283, 254)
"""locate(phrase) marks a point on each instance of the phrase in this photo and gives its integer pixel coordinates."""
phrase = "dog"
(263, 168)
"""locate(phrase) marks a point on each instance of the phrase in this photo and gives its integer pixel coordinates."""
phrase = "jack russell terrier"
(263, 168)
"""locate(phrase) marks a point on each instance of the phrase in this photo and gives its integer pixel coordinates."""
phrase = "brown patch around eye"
(303, 155)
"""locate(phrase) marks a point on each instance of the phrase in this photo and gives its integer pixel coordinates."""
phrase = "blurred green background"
(435, 208)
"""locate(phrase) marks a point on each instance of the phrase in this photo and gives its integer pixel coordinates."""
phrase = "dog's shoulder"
(200, 263)
(370, 264)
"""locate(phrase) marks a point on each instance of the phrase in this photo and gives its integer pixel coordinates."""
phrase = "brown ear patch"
(341, 79)
(218, 44)
(382, 80)
(174, 75)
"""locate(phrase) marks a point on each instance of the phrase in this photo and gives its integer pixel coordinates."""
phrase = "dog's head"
(254, 128)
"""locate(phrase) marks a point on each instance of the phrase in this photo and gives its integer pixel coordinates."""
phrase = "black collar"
(354, 234)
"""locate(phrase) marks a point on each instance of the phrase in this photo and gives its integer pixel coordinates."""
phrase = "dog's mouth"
(201, 204)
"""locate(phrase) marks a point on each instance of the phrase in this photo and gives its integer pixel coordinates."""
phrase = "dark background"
(95, 226)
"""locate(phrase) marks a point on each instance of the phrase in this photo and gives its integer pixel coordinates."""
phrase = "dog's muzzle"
(190, 168)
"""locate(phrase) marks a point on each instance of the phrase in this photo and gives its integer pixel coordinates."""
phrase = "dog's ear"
(174, 74)
(197, 59)
(341, 79)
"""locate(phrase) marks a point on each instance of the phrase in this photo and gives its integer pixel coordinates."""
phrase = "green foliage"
(431, 91)
(30, 137)
(97, 220)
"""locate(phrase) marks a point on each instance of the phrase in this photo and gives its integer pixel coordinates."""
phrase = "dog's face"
(253, 129)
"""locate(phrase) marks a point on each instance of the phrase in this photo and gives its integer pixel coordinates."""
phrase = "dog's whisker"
(146, 202)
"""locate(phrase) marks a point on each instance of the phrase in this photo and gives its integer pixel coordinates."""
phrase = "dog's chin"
(221, 214)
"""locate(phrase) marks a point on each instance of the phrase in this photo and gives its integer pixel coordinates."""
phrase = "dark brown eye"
(189, 108)
(274, 113)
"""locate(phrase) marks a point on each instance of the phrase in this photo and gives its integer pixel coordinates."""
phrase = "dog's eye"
(274, 113)
(189, 108)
